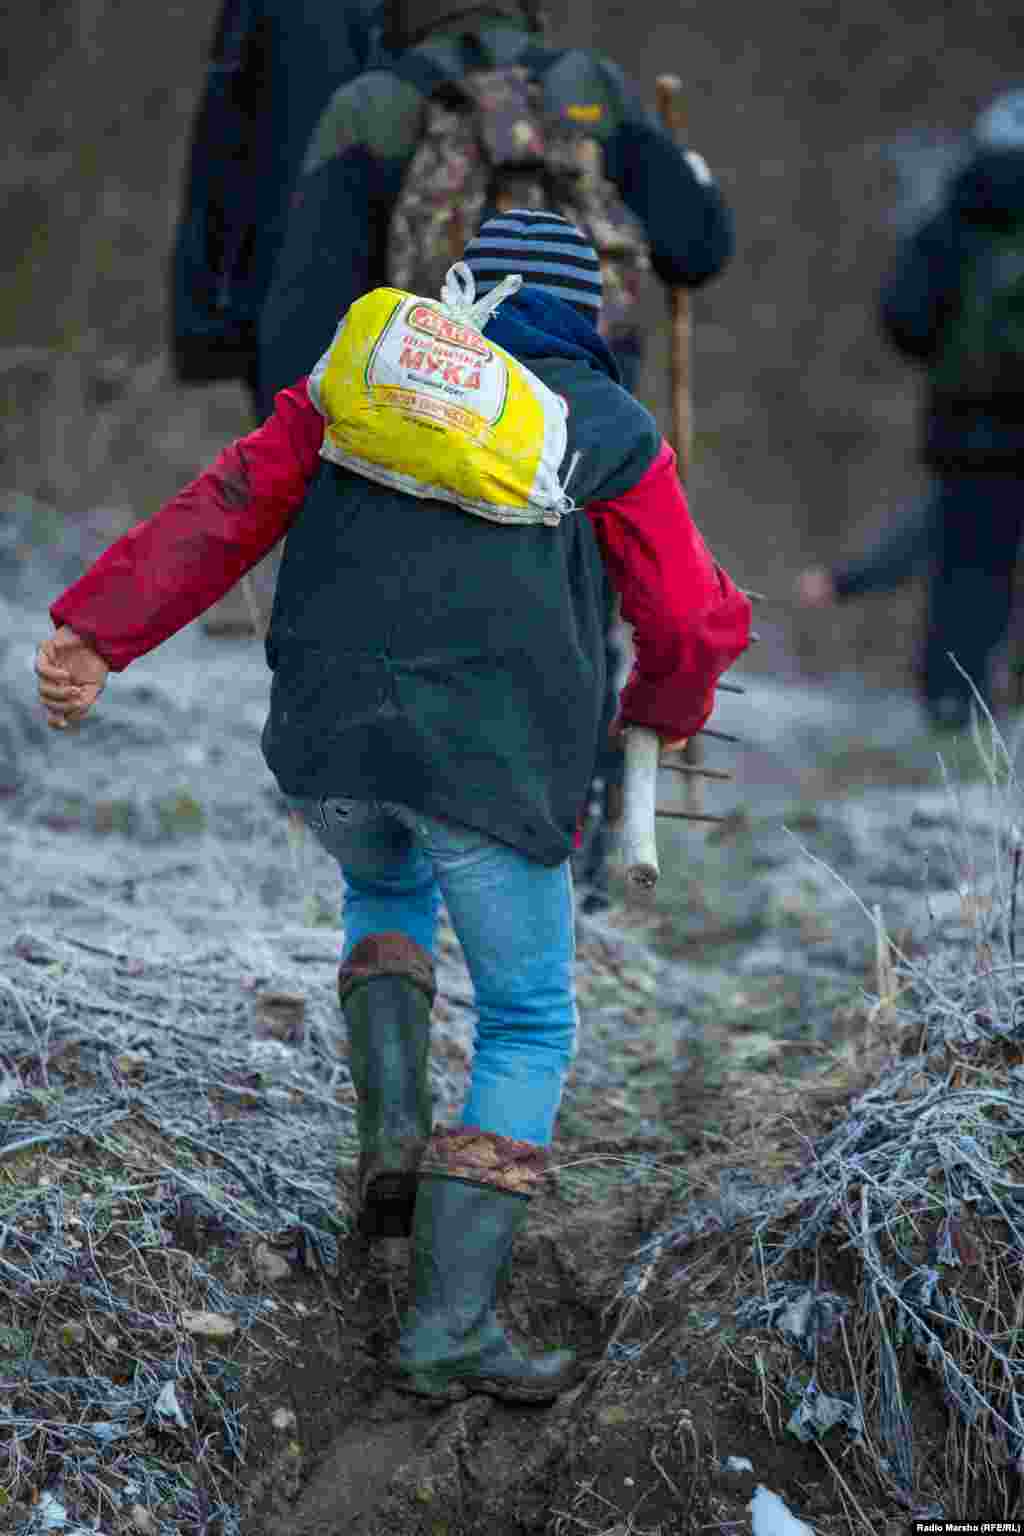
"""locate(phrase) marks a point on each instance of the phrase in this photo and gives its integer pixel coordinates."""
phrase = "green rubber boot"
(386, 989)
(451, 1342)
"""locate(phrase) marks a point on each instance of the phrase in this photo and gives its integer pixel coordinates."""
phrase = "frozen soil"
(177, 1133)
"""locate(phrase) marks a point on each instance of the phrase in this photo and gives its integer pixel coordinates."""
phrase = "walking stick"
(639, 845)
(668, 91)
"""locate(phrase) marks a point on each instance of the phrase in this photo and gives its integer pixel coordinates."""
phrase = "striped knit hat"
(548, 250)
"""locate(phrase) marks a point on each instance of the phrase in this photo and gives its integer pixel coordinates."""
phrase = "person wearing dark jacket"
(273, 65)
(335, 245)
(966, 532)
(438, 692)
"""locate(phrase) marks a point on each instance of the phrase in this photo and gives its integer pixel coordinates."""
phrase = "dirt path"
(168, 1023)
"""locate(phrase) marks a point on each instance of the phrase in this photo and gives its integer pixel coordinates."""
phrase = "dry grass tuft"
(887, 1248)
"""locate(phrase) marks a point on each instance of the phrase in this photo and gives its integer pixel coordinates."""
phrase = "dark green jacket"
(335, 247)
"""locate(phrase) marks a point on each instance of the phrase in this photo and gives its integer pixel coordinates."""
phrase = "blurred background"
(829, 126)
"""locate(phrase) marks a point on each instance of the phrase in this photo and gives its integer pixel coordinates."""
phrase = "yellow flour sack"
(416, 398)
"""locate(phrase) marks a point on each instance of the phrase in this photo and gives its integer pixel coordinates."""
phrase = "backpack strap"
(420, 71)
(537, 59)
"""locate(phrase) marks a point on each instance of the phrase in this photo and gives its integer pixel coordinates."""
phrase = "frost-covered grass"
(803, 1062)
(886, 1248)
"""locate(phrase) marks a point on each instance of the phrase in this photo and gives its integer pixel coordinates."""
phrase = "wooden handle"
(640, 788)
(669, 93)
(682, 412)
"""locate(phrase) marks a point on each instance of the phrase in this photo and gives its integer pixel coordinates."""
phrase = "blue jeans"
(514, 919)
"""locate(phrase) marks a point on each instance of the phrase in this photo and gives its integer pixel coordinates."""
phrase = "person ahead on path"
(337, 237)
(272, 67)
(437, 696)
(954, 304)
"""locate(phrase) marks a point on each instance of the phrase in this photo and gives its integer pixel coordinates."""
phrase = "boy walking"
(436, 704)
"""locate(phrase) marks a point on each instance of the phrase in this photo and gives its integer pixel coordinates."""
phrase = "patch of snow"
(168, 1407)
(769, 1516)
(50, 1515)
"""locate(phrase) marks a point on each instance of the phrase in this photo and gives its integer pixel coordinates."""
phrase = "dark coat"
(920, 300)
(459, 668)
(273, 67)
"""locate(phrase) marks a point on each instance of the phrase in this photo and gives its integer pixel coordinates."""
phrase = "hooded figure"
(954, 305)
(437, 699)
(273, 65)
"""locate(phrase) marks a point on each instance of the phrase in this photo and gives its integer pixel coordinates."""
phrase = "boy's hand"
(71, 678)
(617, 730)
(815, 588)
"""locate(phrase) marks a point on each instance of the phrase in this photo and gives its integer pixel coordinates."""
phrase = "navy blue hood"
(990, 187)
(533, 323)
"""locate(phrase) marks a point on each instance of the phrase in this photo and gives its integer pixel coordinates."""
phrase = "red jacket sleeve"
(168, 570)
(689, 621)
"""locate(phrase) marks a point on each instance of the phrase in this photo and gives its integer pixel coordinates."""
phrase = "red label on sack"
(432, 324)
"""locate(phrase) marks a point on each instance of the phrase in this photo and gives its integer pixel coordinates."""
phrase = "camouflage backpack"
(489, 145)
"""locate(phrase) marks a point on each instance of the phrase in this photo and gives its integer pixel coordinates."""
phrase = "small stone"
(209, 1325)
(736, 1476)
(74, 1333)
(270, 1265)
(36, 951)
(143, 1520)
(111, 1342)
(130, 1063)
(283, 1419)
(280, 1016)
